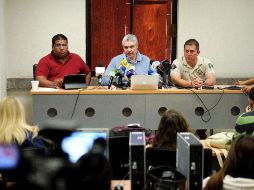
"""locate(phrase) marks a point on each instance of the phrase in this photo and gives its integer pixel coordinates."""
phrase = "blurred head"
(11, 111)
(13, 125)
(60, 46)
(239, 162)
(171, 122)
(130, 46)
(191, 51)
(240, 159)
(92, 171)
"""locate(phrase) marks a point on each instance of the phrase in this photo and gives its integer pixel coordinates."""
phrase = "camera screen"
(9, 156)
(80, 143)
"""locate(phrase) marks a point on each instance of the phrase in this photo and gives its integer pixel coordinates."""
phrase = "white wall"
(2, 50)
(30, 26)
(225, 30)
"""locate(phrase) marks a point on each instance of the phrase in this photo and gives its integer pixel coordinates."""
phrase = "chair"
(34, 71)
(160, 157)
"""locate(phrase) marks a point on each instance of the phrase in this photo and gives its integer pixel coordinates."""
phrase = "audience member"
(237, 171)
(191, 70)
(171, 122)
(247, 84)
(13, 125)
(139, 62)
(245, 122)
(52, 68)
(92, 171)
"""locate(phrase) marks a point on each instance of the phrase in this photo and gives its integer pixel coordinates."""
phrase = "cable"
(206, 109)
(75, 103)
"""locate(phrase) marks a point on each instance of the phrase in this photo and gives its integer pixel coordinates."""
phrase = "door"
(108, 22)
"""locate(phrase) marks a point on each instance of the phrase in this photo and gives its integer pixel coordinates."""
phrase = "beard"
(60, 56)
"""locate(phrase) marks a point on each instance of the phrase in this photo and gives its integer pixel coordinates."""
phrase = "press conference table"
(100, 107)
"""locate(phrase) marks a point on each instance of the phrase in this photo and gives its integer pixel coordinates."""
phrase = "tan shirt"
(201, 69)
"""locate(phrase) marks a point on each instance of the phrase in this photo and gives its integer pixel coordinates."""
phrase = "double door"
(109, 20)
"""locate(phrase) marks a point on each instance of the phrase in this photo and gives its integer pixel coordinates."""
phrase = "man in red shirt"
(52, 68)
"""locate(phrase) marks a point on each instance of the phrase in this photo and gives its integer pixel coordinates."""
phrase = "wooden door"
(109, 20)
(151, 24)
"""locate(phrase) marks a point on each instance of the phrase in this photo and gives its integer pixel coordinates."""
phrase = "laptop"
(84, 140)
(74, 81)
(144, 82)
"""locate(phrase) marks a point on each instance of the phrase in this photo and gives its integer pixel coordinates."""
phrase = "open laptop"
(144, 82)
(84, 140)
(74, 81)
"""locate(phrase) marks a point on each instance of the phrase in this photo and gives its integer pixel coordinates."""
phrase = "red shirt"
(50, 68)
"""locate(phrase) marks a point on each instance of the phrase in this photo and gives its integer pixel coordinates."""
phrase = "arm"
(210, 79)
(177, 80)
(88, 79)
(245, 82)
(44, 82)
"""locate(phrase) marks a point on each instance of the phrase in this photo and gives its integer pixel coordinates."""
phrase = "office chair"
(34, 71)
(160, 157)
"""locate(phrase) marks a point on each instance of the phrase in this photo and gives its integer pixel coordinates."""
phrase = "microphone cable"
(75, 104)
(207, 111)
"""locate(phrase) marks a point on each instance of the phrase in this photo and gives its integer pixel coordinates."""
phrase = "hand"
(239, 82)
(58, 82)
(197, 82)
(246, 89)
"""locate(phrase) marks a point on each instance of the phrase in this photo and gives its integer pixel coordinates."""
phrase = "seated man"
(135, 61)
(192, 70)
(52, 68)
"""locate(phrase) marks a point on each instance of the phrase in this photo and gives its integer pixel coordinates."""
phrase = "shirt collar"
(187, 65)
(139, 57)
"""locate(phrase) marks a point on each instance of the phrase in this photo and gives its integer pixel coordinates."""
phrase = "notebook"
(84, 140)
(74, 81)
(144, 82)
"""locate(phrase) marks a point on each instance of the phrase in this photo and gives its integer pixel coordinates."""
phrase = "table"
(100, 107)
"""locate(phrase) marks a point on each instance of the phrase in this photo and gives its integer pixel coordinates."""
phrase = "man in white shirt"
(191, 70)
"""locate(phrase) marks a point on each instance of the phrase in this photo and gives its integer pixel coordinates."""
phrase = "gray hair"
(130, 37)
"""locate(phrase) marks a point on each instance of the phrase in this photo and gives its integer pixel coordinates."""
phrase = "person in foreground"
(245, 122)
(137, 63)
(237, 171)
(191, 70)
(170, 124)
(248, 84)
(13, 126)
(52, 68)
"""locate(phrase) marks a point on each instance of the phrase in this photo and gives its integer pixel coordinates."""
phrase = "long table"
(100, 107)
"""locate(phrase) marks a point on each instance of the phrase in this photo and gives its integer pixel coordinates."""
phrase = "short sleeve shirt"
(50, 68)
(203, 67)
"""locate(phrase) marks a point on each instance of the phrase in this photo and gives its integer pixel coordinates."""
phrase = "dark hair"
(171, 122)
(92, 171)
(58, 37)
(192, 42)
(239, 162)
(251, 94)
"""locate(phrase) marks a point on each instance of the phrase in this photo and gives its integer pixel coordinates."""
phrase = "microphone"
(131, 71)
(156, 65)
(123, 65)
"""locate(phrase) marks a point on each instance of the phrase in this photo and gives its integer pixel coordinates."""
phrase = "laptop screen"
(75, 81)
(85, 140)
(144, 82)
